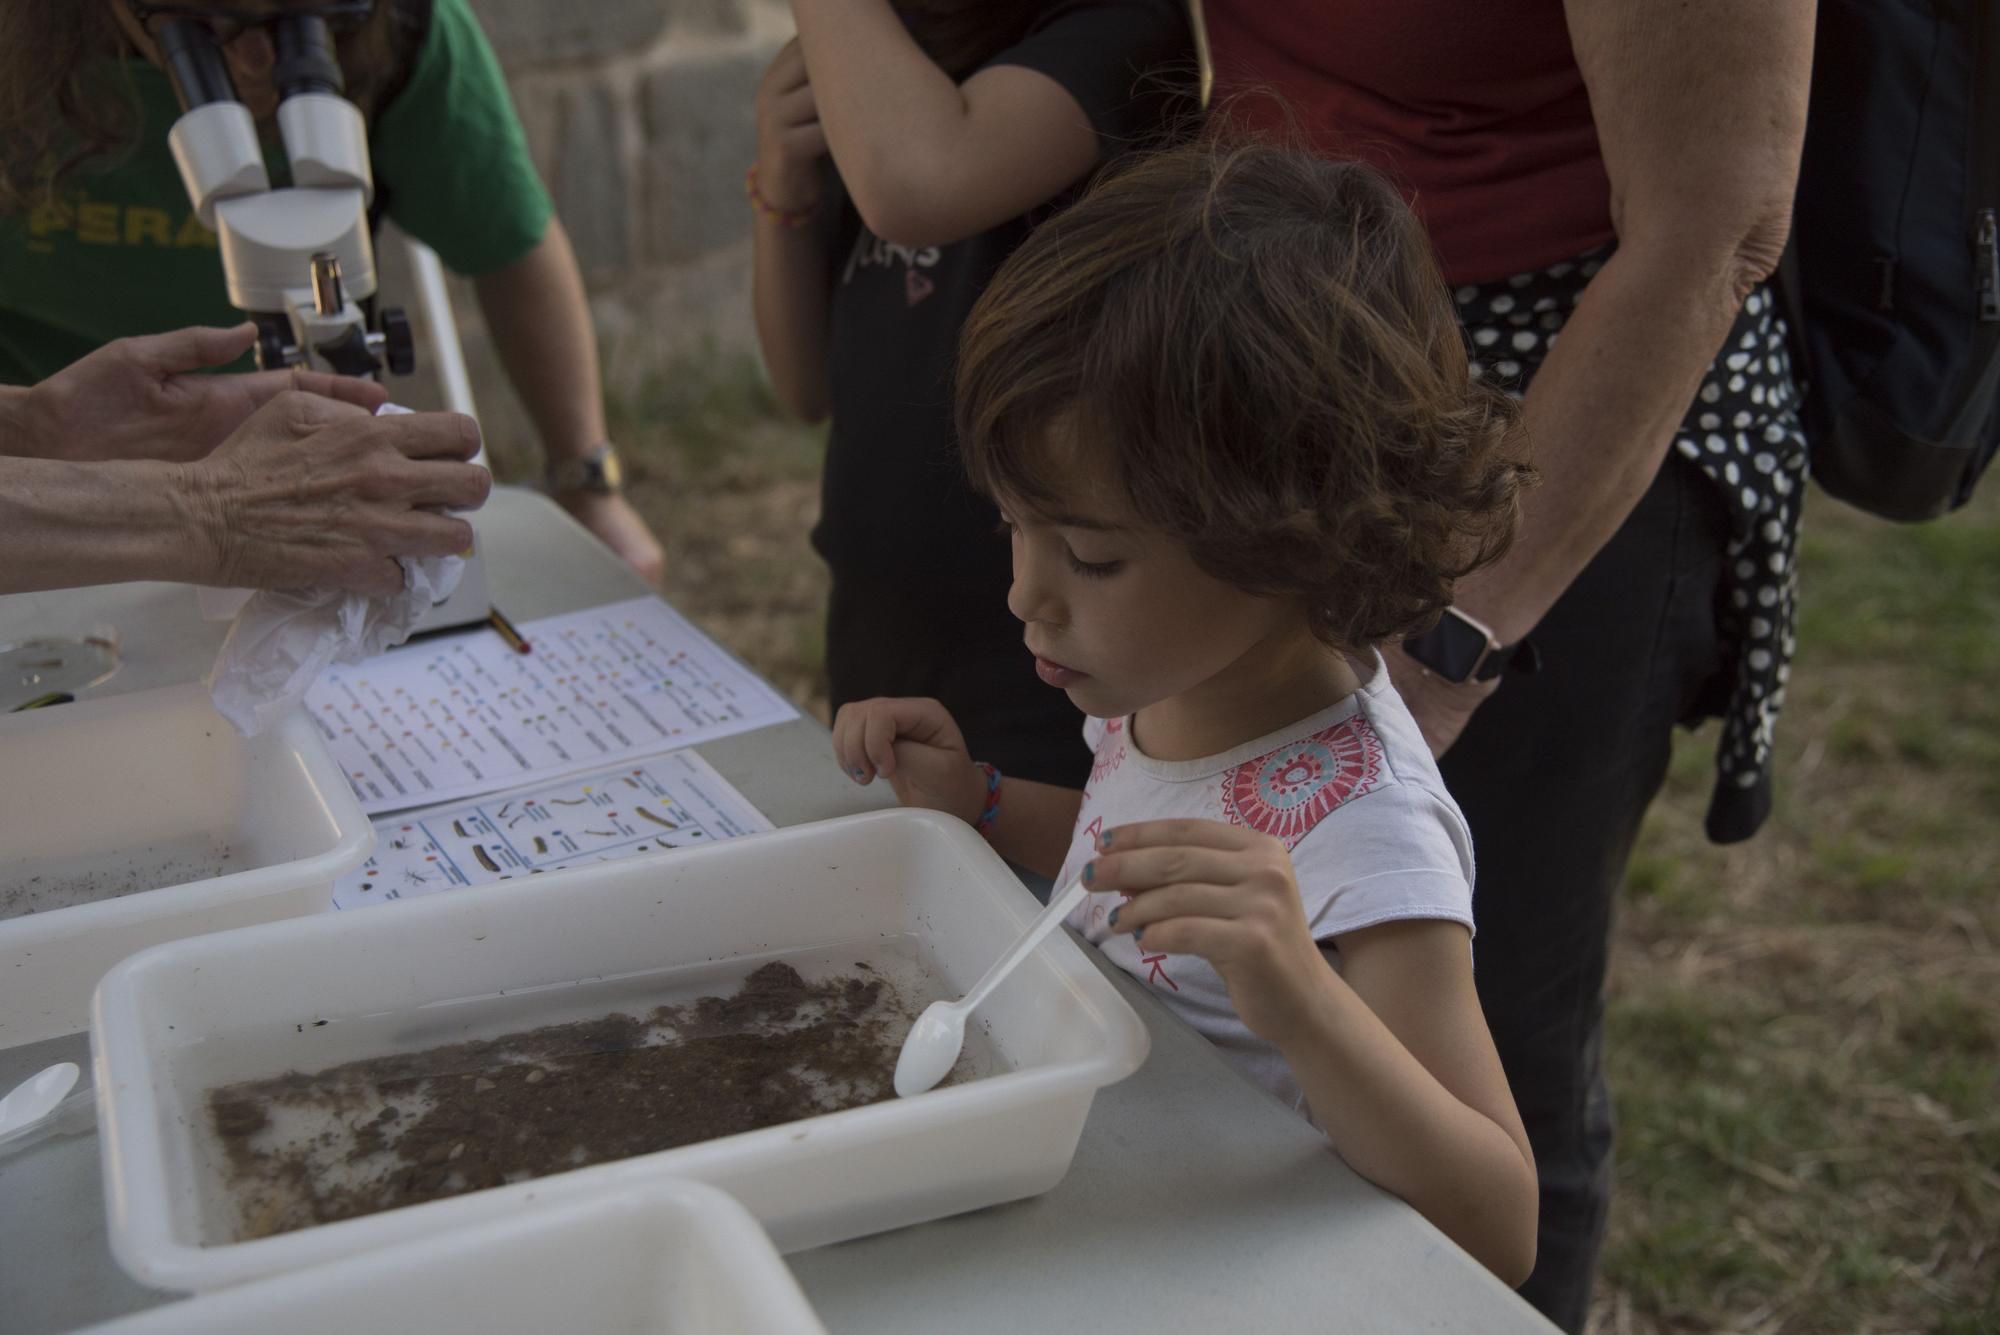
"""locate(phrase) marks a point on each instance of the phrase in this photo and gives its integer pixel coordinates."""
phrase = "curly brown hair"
(1264, 345)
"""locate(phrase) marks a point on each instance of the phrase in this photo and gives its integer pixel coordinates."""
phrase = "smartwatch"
(598, 472)
(1460, 648)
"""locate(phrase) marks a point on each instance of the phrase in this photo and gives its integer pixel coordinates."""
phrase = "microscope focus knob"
(399, 345)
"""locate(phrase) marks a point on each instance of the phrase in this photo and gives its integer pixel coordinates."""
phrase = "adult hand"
(311, 492)
(790, 142)
(620, 527)
(139, 398)
(917, 747)
(1229, 895)
(1442, 708)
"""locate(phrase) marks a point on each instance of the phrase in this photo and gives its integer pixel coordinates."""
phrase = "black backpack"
(1893, 276)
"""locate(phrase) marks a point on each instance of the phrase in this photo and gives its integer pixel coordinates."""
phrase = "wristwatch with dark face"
(1461, 649)
(598, 472)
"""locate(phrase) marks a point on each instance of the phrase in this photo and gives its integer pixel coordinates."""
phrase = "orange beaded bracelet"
(764, 207)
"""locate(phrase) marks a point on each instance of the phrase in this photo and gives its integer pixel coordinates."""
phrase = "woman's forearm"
(540, 322)
(1601, 413)
(789, 295)
(66, 525)
(1398, 1127)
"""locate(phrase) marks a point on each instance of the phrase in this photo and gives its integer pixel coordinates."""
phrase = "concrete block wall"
(640, 117)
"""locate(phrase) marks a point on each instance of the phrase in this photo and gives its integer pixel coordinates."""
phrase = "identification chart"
(467, 714)
(661, 803)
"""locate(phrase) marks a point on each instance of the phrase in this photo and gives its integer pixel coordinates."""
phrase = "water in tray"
(60, 883)
(479, 1093)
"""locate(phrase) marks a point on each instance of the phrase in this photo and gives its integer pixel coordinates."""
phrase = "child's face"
(1118, 615)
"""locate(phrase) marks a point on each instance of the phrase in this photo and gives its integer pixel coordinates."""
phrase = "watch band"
(598, 471)
(1461, 648)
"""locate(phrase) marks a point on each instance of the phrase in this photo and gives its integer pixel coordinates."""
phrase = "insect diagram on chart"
(664, 802)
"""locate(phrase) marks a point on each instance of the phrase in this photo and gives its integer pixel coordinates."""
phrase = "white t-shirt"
(1351, 791)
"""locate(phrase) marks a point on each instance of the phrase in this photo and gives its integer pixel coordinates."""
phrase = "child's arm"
(1393, 1054)
(915, 745)
(789, 263)
(928, 161)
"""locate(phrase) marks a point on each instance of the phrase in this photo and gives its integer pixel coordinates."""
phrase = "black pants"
(964, 648)
(1554, 773)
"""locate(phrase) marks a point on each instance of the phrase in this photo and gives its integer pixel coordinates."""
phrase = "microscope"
(300, 261)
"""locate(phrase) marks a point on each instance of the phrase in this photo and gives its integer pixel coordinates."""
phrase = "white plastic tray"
(184, 1018)
(670, 1258)
(135, 787)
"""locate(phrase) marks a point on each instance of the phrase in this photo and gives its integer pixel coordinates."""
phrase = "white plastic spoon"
(932, 1048)
(42, 1106)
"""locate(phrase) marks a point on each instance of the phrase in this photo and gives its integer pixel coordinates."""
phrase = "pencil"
(508, 633)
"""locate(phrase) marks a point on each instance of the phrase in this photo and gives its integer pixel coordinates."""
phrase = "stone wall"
(640, 117)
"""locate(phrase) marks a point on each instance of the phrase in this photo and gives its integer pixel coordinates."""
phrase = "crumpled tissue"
(283, 639)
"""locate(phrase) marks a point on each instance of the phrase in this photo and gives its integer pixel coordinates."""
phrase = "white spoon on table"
(42, 1106)
(933, 1046)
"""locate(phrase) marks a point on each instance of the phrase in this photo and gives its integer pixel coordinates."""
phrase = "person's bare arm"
(540, 320)
(1700, 108)
(1392, 1052)
(1397, 1065)
(789, 262)
(143, 398)
(928, 161)
(308, 492)
(915, 744)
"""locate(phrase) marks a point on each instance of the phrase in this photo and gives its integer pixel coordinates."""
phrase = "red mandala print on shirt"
(1284, 793)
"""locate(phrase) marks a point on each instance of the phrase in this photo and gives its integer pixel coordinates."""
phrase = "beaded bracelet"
(991, 812)
(764, 207)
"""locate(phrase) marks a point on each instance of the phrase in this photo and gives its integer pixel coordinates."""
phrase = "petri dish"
(40, 665)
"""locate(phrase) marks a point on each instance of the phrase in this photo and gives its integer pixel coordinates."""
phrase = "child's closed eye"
(1092, 569)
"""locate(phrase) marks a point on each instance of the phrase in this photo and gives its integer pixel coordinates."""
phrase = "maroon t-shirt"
(1477, 111)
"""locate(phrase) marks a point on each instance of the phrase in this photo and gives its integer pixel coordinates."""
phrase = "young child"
(950, 127)
(1224, 406)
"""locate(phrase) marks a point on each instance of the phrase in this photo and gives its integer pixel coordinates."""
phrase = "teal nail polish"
(1104, 840)
(1138, 935)
(1113, 920)
(1089, 872)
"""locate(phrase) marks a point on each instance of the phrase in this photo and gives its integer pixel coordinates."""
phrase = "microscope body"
(299, 260)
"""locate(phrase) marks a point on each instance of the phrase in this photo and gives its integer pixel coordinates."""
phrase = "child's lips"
(1055, 674)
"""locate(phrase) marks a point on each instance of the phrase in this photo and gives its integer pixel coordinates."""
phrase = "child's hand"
(790, 142)
(915, 745)
(1200, 887)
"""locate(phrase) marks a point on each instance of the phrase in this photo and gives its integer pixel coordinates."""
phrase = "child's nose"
(1031, 597)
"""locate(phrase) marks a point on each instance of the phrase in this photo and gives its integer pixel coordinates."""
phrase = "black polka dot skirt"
(1742, 432)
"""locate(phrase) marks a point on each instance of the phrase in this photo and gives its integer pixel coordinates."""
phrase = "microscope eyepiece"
(306, 62)
(195, 64)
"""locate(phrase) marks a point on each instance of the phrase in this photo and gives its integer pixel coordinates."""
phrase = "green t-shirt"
(121, 252)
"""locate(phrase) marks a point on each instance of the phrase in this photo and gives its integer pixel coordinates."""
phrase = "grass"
(1804, 1029)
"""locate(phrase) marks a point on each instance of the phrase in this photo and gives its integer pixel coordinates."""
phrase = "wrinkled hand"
(1229, 895)
(1442, 708)
(313, 493)
(915, 745)
(139, 398)
(621, 528)
(790, 142)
